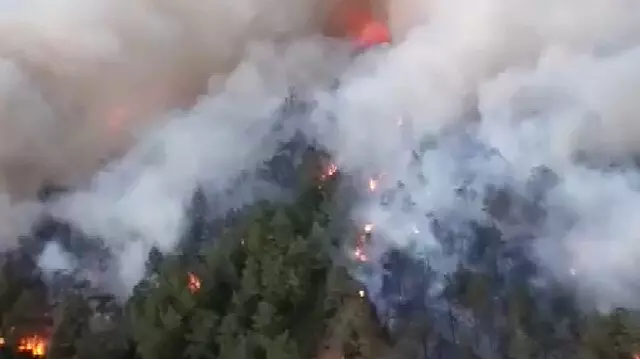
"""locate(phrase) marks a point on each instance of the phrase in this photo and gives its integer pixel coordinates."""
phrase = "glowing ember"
(360, 24)
(329, 172)
(368, 228)
(373, 33)
(34, 345)
(194, 283)
(373, 184)
(361, 293)
(359, 255)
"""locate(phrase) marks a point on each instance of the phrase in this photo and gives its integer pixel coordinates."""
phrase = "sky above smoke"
(176, 94)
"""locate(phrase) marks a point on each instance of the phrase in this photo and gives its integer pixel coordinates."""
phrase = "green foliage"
(275, 285)
(247, 305)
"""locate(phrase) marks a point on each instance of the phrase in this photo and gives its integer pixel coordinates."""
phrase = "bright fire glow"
(358, 253)
(368, 228)
(360, 24)
(329, 171)
(361, 293)
(34, 345)
(373, 184)
(194, 283)
(373, 33)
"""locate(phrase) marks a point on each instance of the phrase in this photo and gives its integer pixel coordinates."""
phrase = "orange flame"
(373, 184)
(359, 255)
(34, 345)
(329, 171)
(368, 228)
(359, 251)
(194, 283)
(373, 33)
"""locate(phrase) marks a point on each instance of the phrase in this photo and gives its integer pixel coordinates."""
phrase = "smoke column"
(487, 92)
(483, 91)
(168, 95)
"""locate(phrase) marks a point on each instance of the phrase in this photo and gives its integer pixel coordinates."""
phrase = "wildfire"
(34, 345)
(373, 184)
(358, 21)
(194, 283)
(359, 252)
(373, 33)
(329, 172)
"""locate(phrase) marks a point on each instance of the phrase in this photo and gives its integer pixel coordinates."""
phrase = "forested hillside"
(278, 280)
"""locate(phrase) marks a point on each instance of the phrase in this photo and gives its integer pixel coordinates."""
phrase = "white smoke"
(501, 86)
(82, 82)
(55, 259)
(532, 83)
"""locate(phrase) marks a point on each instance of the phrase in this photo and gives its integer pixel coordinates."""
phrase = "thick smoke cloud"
(502, 88)
(168, 95)
(473, 94)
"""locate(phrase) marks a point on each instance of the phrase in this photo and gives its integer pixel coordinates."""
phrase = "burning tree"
(194, 283)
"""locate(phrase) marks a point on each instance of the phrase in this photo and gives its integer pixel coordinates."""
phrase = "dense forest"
(278, 280)
(319, 179)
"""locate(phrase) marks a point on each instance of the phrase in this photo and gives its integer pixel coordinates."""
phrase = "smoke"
(170, 96)
(55, 259)
(79, 78)
(472, 96)
(478, 97)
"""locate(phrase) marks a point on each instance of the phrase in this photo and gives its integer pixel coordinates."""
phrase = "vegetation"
(273, 283)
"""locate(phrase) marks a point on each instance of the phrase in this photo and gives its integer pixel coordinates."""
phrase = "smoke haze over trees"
(470, 189)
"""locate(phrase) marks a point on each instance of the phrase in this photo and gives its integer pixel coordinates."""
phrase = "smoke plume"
(481, 95)
(471, 96)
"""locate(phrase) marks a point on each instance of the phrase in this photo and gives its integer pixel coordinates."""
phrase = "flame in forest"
(362, 27)
(359, 254)
(373, 184)
(329, 172)
(194, 283)
(361, 241)
(34, 345)
(373, 33)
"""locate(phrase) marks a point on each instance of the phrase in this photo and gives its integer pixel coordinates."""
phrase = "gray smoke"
(501, 88)
(485, 91)
(170, 95)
